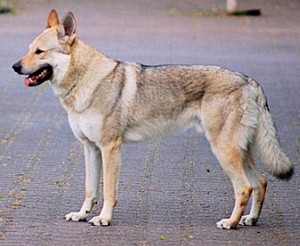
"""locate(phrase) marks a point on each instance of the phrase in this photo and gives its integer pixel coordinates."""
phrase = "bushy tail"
(267, 143)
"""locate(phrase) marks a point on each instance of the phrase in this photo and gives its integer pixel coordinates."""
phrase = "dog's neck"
(83, 66)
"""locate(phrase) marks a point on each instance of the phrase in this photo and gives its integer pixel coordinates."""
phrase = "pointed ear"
(69, 24)
(52, 19)
(67, 29)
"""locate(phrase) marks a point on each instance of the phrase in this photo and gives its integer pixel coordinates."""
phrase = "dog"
(109, 102)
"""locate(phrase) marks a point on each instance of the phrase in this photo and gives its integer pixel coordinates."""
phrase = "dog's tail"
(267, 142)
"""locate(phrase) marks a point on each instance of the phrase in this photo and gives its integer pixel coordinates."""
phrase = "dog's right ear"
(53, 20)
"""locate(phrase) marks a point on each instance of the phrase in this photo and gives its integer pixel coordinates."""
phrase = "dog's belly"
(158, 128)
(149, 131)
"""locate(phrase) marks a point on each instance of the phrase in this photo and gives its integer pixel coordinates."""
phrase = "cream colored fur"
(109, 103)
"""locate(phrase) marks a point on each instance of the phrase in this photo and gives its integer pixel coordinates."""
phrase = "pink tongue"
(27, 82)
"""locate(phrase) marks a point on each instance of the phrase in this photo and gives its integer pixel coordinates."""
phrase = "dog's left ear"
(67, 29)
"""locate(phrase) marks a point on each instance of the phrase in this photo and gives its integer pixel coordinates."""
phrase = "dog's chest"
(86, 126)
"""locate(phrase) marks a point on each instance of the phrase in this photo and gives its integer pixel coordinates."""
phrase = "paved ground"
(172, 192)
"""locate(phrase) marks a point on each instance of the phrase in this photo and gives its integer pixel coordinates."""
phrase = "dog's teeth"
(42, 74)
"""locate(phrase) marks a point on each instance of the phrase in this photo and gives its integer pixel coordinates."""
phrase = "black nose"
(17, 67)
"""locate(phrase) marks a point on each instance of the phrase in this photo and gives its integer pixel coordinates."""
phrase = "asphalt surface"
(172, 192)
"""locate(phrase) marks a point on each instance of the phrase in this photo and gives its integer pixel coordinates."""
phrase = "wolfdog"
(110, 102)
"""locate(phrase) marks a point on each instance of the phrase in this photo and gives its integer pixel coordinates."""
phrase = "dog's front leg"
(111, 165)
(92, 156)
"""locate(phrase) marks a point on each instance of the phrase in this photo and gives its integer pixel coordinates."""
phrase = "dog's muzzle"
(17, 67)
(37, 77)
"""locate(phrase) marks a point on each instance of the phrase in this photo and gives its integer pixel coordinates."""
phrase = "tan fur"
(110, 102)
(52, 19)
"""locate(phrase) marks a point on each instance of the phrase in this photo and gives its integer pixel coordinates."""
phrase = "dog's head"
(49, 54)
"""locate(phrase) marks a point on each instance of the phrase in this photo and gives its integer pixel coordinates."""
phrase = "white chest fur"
(86, 126)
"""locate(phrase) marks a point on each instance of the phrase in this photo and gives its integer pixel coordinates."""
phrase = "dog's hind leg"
(259, 185)
(231, 159)
(92, 156)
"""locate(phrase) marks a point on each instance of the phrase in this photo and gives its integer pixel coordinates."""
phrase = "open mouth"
(41, 75)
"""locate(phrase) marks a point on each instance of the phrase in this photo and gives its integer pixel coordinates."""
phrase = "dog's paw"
(226, 224)
(248, 220)
(76, 216)
(99, 221)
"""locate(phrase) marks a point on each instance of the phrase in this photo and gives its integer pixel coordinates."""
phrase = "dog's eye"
(38, 51)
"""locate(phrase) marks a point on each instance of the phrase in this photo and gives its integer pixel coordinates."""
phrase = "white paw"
(248, 220)
(76, 216)
(99, 221)
(226, 224)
